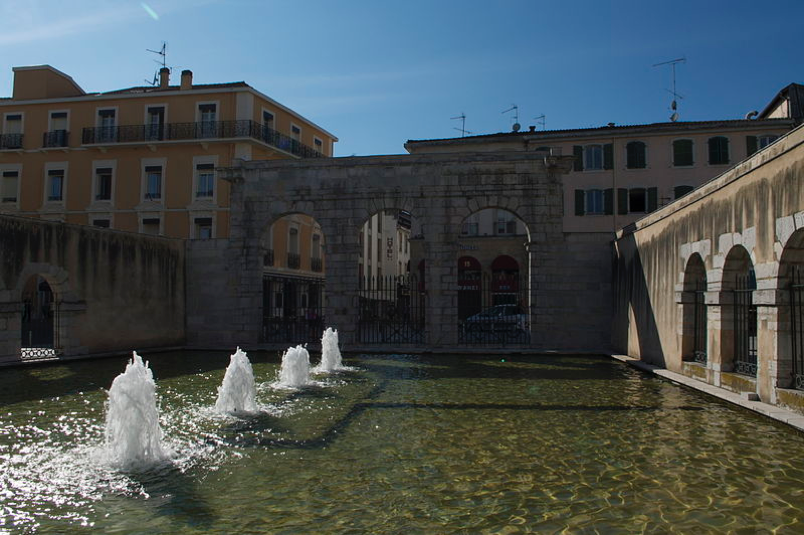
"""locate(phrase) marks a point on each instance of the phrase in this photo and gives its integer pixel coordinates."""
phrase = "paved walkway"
(779, 414)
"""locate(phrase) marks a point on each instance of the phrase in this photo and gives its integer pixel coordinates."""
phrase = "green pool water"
(400, 444)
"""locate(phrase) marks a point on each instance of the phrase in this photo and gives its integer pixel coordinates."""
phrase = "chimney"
(186, 79)
(164, 78)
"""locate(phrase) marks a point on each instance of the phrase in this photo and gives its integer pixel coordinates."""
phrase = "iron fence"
(797, 327)
(56, 138)
(492, 310)
(699, 326)
(391, 310)
(293, 309)
(40, 324)
(745, 327)
(10, 141)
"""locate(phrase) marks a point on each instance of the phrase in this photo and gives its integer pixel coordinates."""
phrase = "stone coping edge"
(779, 414)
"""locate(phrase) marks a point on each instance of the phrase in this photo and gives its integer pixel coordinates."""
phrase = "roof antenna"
(516, 126)
(541, 120)
(462, 129)
(163, 62)
(674, 104)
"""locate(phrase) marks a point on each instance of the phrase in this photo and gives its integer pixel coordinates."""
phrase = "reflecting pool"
(399, 444)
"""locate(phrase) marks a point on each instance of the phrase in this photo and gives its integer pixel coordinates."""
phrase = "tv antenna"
(540, 120)
(676, 96)
(162, 52)
(516, 126)
(462, 129)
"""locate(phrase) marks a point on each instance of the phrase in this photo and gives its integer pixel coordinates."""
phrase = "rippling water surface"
(399, 444)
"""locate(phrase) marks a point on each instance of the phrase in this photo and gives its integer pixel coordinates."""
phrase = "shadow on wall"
(634, 329)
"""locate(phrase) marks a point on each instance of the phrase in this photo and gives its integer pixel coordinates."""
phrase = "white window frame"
(146, 116)
(100, 164)
(52, 166)
(301, 131)
(22, 121)
(673, 153)
(201, 160)
(115, 109)
(152, 215)
(203, 215)
(50, 119)
(149, 162)
(11, 167)
(586, 148)
(265, 110)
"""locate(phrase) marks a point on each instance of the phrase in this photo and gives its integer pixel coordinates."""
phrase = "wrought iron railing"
(146, 133)
(56, 138)
(745, 328)
(294, 261)
(699, 327)
(797, 327)
(391, 310)
(317, 265)
(10, 141)
(293, 310)
(491, 310)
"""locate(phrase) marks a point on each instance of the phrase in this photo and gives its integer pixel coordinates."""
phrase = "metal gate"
(745, 327)
(699, 326)
(391, 310)
(293, 309)
(39, 336)
(494, 311)
(797, 327)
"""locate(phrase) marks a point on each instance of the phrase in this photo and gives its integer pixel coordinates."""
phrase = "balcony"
(55, 139)
(294, 261)
(105, 135)
(317, 265)
(10, 141)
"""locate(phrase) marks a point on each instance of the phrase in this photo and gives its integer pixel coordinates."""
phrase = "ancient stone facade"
(737, 239)
(569, 276)
(112, 291)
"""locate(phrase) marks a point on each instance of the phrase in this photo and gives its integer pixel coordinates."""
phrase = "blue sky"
(378, 73)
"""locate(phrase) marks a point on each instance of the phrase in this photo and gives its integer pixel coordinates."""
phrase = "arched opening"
(493, 289)
(739, 320)
(694, 321)
(790, 320)
(391, 297)
(292, 257)
(40, 310)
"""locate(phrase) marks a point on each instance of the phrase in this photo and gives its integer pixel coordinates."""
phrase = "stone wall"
(115, 291)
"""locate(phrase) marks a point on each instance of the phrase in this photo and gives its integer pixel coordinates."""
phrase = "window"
(268, 120)
(594, 201)
(106, 124)
(755, 143)
(101, 223)
(8, 187)
(470, 228)
(635, 155)
(12, 132)
(718, 150)
(151, 226)
(103, 184)
(57, 136)
(637, 200)
(379, 250)
(293, 241)
(207, 114)
(13, 124)
(55, 185)
(316, 246)
(680, 191)
(153, 182)
(764, 141)
(295, 132)
(155, 127)
(593, 157)
(682, 153)
(205, 182)
(318, 145)
(203, 228)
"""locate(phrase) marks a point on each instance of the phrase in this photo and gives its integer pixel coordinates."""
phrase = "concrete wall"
(115, 291)
(751, 217)
(569, 275)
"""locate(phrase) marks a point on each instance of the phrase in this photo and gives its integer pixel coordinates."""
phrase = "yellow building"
(141, 159)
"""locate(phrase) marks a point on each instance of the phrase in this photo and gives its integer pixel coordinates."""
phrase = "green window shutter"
(608, 201)
(682, 152)
(608, 156)
(653, 199)
(577, 152)
(579, 198)
(622, 201)
(750, 145)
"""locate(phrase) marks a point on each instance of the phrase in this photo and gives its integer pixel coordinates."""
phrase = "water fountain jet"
(330, 352)
(295, 369)
(237, 392)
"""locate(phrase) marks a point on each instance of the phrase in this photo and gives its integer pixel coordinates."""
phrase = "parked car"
(498, 318)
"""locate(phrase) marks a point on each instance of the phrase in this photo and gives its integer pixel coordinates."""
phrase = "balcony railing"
(10, 141)
(294, 261)
(197, 131)
(317, 265)
(56, 138)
